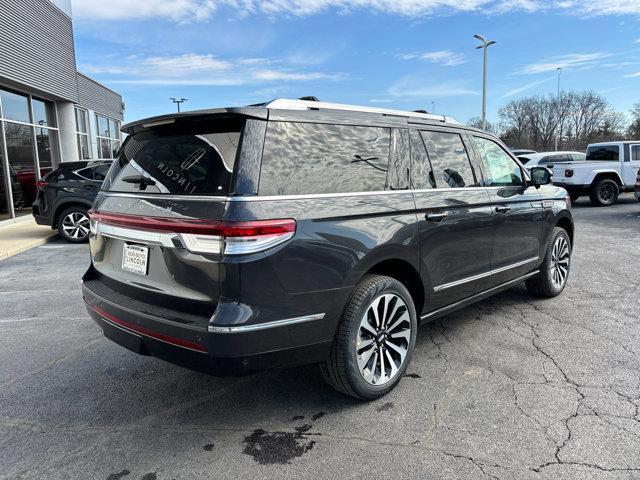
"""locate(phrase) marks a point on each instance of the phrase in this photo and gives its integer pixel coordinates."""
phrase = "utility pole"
(178, 101)
(559, 69)
(485, 44)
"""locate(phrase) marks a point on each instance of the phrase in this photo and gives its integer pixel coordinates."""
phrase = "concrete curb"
(27, 246)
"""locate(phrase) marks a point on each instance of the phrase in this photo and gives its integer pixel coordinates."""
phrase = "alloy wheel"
(607, 193)
(76, 225)
(383, 339)
(560, 260)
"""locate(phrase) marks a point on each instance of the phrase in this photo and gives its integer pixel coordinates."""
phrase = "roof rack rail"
(303, 104)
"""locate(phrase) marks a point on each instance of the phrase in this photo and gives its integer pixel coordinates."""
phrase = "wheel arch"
(61, 207)
(608, 174)
(406, 274)
(566, 224)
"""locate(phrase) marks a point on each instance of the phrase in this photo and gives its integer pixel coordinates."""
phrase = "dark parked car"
(66, 194)
(637, 187)
(297, 232)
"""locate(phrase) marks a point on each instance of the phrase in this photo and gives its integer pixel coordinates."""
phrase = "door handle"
(503, 209)
(436, 217)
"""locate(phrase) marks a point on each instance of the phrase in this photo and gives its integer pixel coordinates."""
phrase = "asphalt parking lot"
(510, 388)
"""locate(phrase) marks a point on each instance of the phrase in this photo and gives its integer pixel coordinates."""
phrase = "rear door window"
(178, 160)
(399, 162)
(449, 159)
(604, 153)
(307, 158)
(422, 177)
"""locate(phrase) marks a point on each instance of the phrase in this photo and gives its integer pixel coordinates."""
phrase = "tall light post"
(559, 69)
(178, 101)
(433, 108)
(485, 44)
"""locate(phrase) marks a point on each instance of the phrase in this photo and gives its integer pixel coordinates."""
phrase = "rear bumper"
(210, 349)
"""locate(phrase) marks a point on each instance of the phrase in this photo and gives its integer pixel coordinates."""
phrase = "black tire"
(341, 370)
(543, 285)
(79, 235)
(604, 192)
(574, 196)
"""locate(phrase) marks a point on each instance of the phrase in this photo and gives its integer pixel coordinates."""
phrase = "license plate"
(134, 258)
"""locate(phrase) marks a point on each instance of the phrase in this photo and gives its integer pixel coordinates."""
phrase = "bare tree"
(633, 132)
(576, 118)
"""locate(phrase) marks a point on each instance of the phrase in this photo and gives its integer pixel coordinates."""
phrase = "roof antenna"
(309, 99)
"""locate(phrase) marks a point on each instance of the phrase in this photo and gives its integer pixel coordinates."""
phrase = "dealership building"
(49, 112)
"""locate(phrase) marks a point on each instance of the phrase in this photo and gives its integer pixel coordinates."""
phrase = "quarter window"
(306, 158)
(449, 159)
(500, 169)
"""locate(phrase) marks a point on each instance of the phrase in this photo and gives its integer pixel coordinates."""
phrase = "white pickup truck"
(611, 168)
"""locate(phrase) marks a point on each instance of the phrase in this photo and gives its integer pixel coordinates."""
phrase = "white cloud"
(414, 86)
(443, 57)
(194, 69)
(528, 86)
(198, 10)
(572, 60)
(632, 75)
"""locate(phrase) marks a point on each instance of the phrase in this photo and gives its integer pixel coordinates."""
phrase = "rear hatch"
(151, 243)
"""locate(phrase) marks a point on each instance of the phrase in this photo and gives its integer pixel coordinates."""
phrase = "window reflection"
(312, 158)
(421, 173)
(5, 211)
(15, 106)
(449, 160)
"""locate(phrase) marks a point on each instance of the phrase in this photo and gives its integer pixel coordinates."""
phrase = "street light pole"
(559, 69)
(433, 108)
(485, 44)
(178, 101)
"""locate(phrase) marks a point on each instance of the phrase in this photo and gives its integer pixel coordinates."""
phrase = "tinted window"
(524, 160)
(499, 168)
(181, 161)
(610, 153)
(578, 157)
(555, 159)
(421, 174)
(304, 158)
(86, 173)
(449, 159)
(100, 172)
(635, 152)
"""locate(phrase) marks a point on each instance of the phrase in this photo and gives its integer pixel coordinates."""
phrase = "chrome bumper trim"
(266, 325)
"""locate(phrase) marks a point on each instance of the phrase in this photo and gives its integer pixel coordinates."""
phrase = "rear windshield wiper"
(144, 182)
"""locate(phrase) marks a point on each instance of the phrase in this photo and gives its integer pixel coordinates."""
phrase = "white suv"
(611, 168)
(549, 159)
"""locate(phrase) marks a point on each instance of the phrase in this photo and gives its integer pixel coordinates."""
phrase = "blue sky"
(394, 54)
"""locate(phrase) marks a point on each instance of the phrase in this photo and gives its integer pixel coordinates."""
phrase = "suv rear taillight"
(568, 173)
(206, 236)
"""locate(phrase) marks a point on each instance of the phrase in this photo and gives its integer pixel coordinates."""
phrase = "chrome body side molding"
(266, 325)
(485, 275)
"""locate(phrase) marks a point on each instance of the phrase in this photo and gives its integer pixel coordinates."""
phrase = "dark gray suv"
(296, 232)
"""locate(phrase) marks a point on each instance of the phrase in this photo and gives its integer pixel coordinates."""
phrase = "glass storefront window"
(47, 144)
(103, 126)
(15, 107)
(81, 121)
(113, 129)
(105, 148)
(21, 155)
(43, 113)
(83, 147)
(5, 212)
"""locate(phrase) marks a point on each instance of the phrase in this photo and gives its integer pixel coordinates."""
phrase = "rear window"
(449, 160)
(193, 159)
(306, 158)
(604, 153)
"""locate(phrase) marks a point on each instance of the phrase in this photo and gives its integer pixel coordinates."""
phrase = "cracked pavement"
(511, 388)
